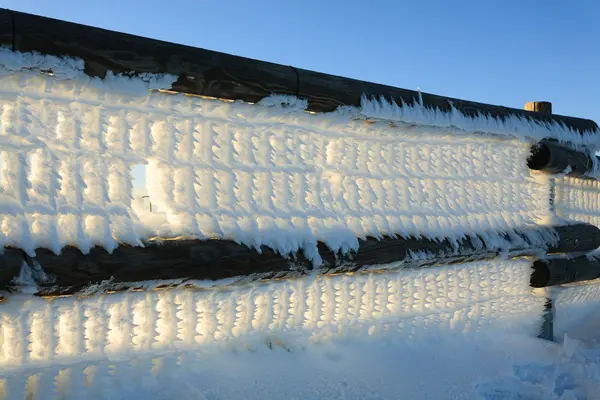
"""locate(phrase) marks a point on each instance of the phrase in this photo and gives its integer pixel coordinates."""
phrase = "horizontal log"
(215, 74)
(214, 260)
(553, 157)
(559, 271)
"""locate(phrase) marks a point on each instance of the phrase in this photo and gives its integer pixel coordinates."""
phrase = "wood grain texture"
(553, 157)
(544, 107)
(559, 271)
(214, 260)
(215, 74)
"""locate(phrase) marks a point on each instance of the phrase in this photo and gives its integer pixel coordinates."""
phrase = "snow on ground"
(443, 366)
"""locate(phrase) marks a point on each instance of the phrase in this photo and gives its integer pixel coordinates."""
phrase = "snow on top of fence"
(513, 125)
(70, 68)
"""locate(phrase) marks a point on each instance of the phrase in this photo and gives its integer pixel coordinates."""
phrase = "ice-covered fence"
(258, 174)
(480, 296)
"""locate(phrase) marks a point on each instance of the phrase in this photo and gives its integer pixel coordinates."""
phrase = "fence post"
(547, 328)
(542, 107)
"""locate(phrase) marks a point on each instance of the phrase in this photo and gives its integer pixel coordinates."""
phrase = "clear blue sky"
(500, 52)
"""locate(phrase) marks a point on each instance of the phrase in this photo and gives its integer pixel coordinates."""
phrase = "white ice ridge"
(474, 297)
(513, 125)
(257, 174)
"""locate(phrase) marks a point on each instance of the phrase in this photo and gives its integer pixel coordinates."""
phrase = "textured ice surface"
(72, 346)
(257, 174)
(578, 199)
(273, 174)
(474, 297)
(509, 126)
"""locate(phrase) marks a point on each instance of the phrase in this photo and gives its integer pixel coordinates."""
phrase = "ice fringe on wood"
(194, 263)
(323, 177)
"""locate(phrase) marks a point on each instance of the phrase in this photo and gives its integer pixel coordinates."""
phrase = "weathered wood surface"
(215, 260)
(559, 271)
(221, 75)
(553, 157)
(544, 107)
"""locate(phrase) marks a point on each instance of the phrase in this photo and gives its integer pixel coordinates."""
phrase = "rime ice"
(266, 174)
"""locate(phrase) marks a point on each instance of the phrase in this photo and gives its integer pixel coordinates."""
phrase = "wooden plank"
(215, 74)
(214, 260)
(559, 271)
(6, 29)
(10, 266)
(553, 157)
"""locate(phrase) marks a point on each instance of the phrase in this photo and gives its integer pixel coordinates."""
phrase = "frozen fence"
(479, 296)
(254, 174)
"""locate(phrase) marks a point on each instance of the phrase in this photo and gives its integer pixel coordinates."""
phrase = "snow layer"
(433, 367)
(258, 174)
(576, 309)
(69, 68)
(479, 297)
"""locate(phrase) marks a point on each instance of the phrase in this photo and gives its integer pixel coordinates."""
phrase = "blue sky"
(500, 52)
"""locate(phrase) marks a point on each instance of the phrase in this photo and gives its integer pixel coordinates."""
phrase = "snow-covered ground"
(434, 366)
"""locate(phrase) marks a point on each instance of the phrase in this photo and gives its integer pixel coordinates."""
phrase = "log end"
(542, 107)
(540, 156)
(540, 277)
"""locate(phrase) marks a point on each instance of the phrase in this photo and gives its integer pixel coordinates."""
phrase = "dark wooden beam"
(553, 157)
(7, 31)
(559, 271)
(10, 266)
(213, 260)
(215, 74)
